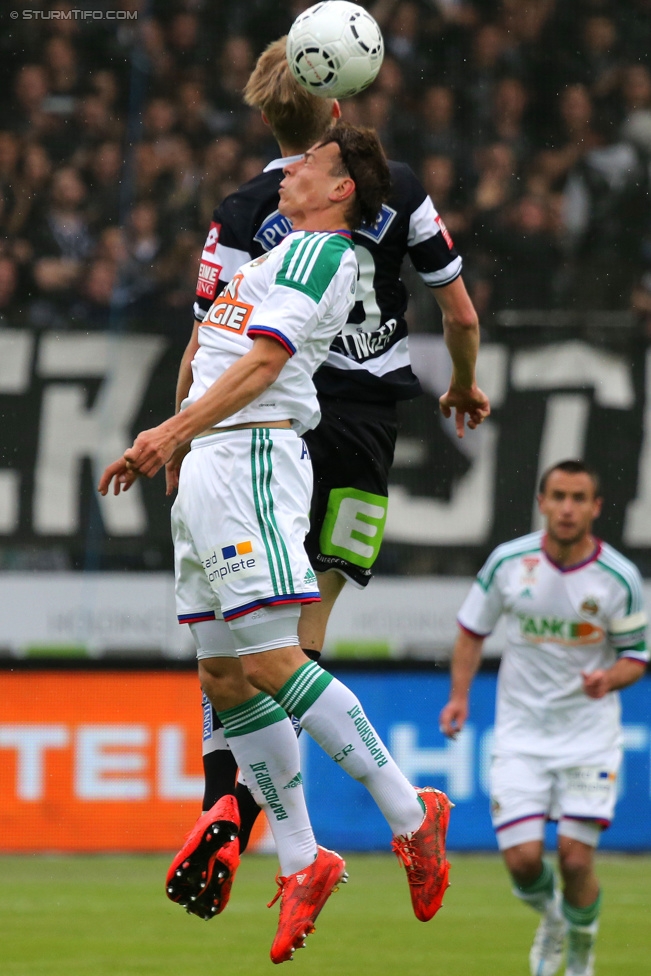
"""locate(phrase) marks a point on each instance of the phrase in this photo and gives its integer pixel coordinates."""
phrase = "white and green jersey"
(560, 622)
(300, 294)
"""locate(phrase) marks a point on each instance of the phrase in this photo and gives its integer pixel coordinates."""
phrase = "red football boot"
(423, 855)
(201, 875)
(303, 895)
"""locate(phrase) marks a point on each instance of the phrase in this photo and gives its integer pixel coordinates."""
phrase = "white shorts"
(239, 524)
(526, 791)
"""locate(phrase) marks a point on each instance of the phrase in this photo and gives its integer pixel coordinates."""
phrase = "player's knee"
(523, 863)
(223, 681)
(269, 671)
(575, 862)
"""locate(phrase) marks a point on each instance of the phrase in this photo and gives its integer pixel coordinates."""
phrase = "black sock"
(219, 770)
(249, 811)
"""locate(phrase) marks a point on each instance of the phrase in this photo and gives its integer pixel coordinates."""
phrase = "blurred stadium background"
(529, 122)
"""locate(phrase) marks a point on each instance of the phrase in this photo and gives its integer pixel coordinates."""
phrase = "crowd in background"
(528, 122)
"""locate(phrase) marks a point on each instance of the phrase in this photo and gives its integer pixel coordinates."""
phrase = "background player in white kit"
(575, 635)
(240, 519)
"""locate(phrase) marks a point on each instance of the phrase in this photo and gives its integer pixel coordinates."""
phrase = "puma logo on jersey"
(273, 230)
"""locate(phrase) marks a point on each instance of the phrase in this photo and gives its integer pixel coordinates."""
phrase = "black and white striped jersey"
(369, 359)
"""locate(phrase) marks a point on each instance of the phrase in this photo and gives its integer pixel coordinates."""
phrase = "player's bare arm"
(465, 662)
(183, 384)
(238, 386)
(184, 379)
(625, 672)
(461, 331)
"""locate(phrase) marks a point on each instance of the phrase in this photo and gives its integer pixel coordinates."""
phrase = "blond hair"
(297, 118)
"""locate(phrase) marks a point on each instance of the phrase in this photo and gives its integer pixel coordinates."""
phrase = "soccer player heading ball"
(576, 635)
(240, 519)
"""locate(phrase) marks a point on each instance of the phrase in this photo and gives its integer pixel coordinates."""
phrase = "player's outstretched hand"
(596, 684)
(173, 469)
(152, 449)
(121, 474)
(453, 718)
(465, 400)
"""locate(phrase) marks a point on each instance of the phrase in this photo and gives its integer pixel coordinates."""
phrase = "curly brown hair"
(363, 159)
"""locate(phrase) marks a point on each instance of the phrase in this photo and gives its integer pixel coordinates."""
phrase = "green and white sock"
(332, 715)
(581, 918)
(582, 928)
(540, 894)
(265, 747)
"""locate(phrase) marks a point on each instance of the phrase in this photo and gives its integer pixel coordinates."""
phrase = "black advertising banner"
(71, 402)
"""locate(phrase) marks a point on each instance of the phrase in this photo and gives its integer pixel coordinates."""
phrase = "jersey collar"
(283, 161)
(584, 562)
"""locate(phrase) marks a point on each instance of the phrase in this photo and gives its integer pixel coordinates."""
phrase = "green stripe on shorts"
(280, 567)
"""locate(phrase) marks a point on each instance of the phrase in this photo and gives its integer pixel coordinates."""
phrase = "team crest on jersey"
(590, 606)
(377, 230)
(529, 566)
(273, 230)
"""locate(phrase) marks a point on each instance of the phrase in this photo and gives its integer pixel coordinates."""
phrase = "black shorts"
(352, 453)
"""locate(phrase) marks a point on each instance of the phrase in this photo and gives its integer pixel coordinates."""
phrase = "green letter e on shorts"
(353, 526)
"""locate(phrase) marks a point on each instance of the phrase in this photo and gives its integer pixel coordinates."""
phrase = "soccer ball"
(335, 49)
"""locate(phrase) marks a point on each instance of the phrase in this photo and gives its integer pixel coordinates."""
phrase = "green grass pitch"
(108, 916)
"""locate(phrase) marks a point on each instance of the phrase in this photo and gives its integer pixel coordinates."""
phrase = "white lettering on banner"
(467, 518)
(71, 431)
(635, 738)
(103, 752)
(574, 365)
(9, 501)
(16, 353)
(454, 760)
(109, 761)
(173, 782)
(637, 524)
(31, 743)
(466, 763)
